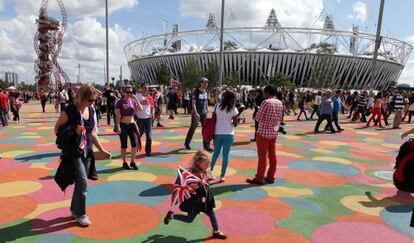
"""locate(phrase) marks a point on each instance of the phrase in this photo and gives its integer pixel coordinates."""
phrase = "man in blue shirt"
(337, 105)
(325, 110)
(199, 112)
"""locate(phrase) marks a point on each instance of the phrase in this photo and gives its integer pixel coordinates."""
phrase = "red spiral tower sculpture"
(48, 44)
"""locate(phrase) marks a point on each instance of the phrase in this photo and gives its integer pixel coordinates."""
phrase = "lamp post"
(107, 42)
(377, 45)
(220, 80)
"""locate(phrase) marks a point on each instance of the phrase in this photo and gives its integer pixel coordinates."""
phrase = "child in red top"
(203, 200)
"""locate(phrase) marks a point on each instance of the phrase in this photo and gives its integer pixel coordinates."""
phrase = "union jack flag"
(182, 189)
(83, 138)
(175, 83)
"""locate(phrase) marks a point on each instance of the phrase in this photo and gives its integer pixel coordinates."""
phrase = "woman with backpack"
(77, 149)
(226, 119)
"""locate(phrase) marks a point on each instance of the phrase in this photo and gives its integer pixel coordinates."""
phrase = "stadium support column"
(377, 46)
(107, 42)
(220, 80)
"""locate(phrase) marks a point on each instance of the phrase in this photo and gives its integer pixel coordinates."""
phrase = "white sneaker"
(83, 220)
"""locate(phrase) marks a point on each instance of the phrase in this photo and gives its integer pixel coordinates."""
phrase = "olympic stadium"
(257, 54)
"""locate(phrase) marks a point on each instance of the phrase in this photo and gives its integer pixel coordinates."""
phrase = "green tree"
(191, 74)
(323, 70)
(232, 79)
(229, 45)
(212, 74)
(163, 75)
(281, 80)
(4, 84)
(134, 83)
(392, 85)
(29, 87)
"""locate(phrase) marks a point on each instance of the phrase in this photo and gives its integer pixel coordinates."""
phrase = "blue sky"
(131, 19)
(148, 16)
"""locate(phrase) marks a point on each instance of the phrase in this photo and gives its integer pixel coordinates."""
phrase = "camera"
(282, 130)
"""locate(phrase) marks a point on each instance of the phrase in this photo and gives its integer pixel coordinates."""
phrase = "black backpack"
(403, 176)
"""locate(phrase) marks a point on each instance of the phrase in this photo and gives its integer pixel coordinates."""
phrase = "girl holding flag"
(192, 192)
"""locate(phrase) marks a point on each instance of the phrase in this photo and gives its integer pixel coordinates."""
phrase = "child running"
(202, 200)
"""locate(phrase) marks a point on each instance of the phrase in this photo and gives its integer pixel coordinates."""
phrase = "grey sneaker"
(83, 220)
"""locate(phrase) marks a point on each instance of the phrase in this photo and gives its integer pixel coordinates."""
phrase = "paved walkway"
(329, 188)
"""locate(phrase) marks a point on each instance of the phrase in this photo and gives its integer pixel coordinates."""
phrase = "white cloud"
(298, 13)
(84, 41)
(360, 12)
(84, 44)
(407, 76)
(74, 8)
(410, 38)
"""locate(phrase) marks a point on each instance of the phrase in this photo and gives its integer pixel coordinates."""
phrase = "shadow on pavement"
(37, 157)
(171, 239)
(159, 190)
(35, 227)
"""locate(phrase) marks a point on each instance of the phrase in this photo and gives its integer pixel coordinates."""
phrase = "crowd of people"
(134, 111)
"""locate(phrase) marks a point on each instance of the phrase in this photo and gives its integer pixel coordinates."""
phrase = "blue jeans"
(222, 141)
(144, 126)
(193, 127)
(3, 117)
(81, 167)
(190, 218)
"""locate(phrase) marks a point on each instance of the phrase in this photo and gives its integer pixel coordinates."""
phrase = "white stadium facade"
(258, 53)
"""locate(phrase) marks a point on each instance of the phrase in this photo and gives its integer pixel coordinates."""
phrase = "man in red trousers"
(269, 117)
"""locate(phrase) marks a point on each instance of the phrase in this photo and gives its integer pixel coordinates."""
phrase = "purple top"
(127, 107)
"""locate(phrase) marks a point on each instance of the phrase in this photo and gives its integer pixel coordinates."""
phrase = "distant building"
(122, 83)
(11, 77)
(257, 54)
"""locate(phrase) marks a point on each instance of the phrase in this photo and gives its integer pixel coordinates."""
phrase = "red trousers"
(266, 149)
(375, 112)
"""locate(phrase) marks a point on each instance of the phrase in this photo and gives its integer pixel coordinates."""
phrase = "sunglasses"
(128, 92)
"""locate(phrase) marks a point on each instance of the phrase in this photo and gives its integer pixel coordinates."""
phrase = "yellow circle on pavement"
(12, 154)
(365, 205)
(18, 188)
(132, 176)
(279, 191)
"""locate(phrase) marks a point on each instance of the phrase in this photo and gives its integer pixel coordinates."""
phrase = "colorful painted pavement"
(329, 188)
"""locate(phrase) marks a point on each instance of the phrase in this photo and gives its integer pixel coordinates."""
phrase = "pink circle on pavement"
(12, 164)
(358, 232)
(50, 192)
(55, 221)
(233, 221)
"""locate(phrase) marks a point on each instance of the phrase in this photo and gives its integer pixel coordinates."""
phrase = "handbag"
(209, 127)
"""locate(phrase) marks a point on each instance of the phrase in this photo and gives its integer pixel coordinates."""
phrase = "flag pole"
(220, 80)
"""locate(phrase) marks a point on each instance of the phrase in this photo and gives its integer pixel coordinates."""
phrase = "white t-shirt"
(146, 107)
(224, 123)
(371, 101)
(63, 96)
(318, 100)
